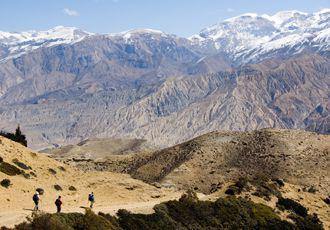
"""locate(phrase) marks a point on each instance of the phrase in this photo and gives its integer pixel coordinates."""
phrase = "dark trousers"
(36, 205)
(58, 208)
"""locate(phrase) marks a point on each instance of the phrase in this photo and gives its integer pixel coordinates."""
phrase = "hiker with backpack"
(91, 199)
(58, 203)
(36, 200)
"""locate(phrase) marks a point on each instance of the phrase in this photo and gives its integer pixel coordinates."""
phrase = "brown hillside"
(298, 157)
(112, 190)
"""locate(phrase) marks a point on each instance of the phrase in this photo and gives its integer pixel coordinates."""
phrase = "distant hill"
(99, 148)
(203, 163)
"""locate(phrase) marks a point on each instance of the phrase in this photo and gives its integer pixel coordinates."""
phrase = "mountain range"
(248, 72)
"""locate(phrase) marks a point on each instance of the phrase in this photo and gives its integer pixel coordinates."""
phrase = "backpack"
(91, 197)
(35, 197)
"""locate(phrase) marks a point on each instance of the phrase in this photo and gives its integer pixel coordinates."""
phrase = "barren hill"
(210, 160)
(100, 148)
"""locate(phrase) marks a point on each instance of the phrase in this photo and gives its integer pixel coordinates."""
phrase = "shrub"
(62, 168)
(279, 182)
(266, 190)
(21, 164)
(57, 187)
(311, 222)
(5, 183)
(17, 136)
(186, 213)
(231, 191)
(67, 221)
(238, 187)
(72, 188)
(52, 171)
(41, 191)
(291, 205)
(312, 189)
(9, 169)
(327, 200)
(26, 175)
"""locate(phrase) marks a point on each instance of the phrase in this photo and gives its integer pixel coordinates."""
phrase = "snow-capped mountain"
(249, 37)
(14, 44)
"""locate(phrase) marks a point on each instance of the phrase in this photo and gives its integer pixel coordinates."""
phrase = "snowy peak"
(138, 33)
(284, 16)
(249, 36)
(14, 44)
(56, 33)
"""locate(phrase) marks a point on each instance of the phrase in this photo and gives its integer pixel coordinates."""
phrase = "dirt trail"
(12, 217)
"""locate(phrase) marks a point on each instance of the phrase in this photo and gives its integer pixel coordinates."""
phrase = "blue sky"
(181, 17)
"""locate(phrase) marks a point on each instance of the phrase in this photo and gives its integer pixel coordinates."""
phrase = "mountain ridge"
(144, 83)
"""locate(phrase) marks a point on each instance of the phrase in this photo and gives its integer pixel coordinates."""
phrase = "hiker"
(91, 199)
(36, 200)
(58, 204)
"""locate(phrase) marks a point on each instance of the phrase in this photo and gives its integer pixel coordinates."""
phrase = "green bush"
(62, 168)
(183, 214)
(327, 200)
(72, 188)
(312, 189)
(5, 183)
(26, 175)
(291, 205)
(17, 136)
(238, 187)
(57, 187)
(266, 190)
(310, 222)
(67, 221)
(9, 169)
(21, 164)
(52, 171)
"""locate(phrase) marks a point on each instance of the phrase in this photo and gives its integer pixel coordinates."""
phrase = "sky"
(180, 17)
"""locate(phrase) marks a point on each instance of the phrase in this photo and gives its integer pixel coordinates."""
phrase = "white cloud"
(229, 10)
(70, 12)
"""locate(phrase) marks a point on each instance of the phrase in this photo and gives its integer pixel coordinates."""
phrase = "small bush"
(327, 200)
(57, 187)
(67, 221)
(52, 171)
(72, 188)
(41, 191)
(9, 169)
(312, 189)
(291, 205)
(189, 196)
(26, 175)
(266, 190)
(238, 187)
(231, 190)
(279, 182)
(21, 164)
(5, 183)
(33, 174)
(62, 168)
(310, 222)
(17, 136)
